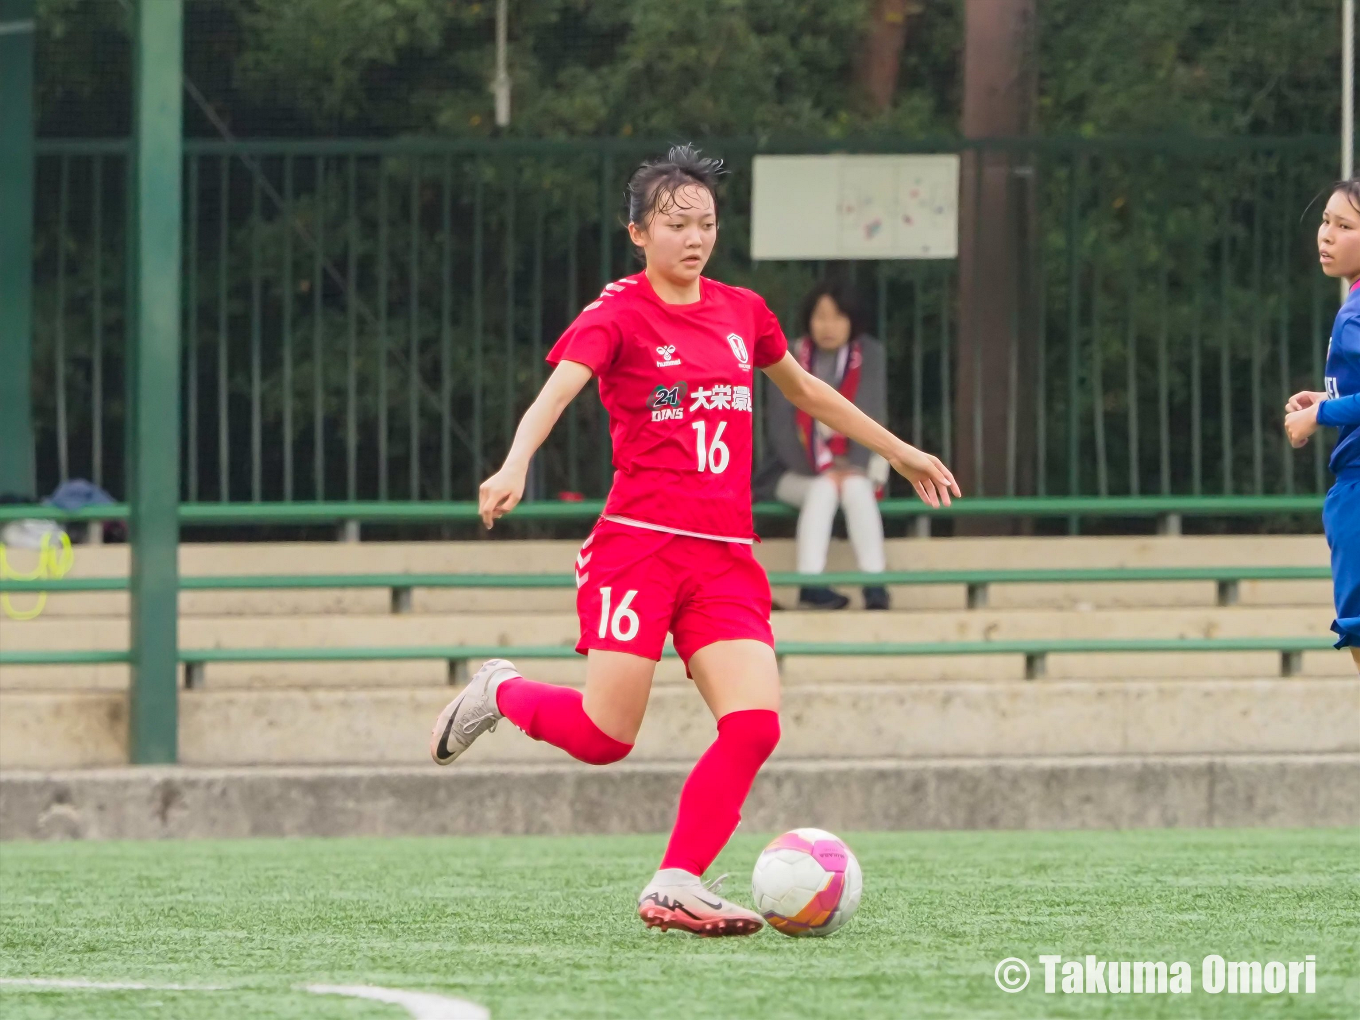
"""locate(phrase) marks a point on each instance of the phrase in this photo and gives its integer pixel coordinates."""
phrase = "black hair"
(652, 186)
(1350, 188)
(845, 299)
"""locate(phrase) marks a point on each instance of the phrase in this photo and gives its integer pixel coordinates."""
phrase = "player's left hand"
(927, 474)
(500, 494)
(1301, 424)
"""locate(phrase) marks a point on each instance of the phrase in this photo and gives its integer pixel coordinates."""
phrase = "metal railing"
(349, 519)
(365, 320)
(1035, 652)
(1226, 579)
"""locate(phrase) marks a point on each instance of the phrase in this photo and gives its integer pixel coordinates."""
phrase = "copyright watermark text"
(1012, 974)
(1091, 975)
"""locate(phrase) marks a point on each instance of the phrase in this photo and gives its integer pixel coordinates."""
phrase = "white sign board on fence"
(855, 207)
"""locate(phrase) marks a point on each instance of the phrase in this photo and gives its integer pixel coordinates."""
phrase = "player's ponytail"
(653, 185)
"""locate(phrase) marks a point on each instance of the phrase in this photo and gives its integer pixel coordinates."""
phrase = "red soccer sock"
(555, 715)
(710, 803)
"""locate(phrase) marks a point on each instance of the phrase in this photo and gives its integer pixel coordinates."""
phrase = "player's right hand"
(932, 481)
(500, 494)
(1302, 399)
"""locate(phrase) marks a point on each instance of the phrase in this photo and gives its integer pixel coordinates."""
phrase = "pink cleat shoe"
(697, 908)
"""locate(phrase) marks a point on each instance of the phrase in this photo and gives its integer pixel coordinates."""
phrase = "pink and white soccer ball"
(807, 883)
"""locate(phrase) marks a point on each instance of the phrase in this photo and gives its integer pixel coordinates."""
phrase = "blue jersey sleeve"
(1344, 408)
(1340, 411)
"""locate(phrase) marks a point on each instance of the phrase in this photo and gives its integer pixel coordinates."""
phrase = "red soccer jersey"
(678, 383)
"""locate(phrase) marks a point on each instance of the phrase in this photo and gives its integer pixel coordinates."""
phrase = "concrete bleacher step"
(1122, 792)
(777, 554)
(545, 555)
(338, 631)
(846, 720)
(794, 670)
(375, 601)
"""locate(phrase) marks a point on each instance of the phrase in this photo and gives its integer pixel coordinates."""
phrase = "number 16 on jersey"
(713, 457)
(624, 623)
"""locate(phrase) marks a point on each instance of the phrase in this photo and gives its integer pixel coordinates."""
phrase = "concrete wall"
(960, 718)
(1039, 793)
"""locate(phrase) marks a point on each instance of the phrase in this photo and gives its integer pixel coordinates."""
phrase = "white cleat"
(472, 713)
(695, 907)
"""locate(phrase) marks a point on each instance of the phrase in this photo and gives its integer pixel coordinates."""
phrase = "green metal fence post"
(17, 475)
(413, 338)
(446, 333)
(606, 275)
(153, 432)
(286, 300)
(97, 330)
(572, 307)
(319, 335)
(223, 377)
(1073, 329)
(1225, 332)
(59, 324)
(382, 328)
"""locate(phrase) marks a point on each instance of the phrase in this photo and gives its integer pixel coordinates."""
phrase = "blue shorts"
(1341, 522)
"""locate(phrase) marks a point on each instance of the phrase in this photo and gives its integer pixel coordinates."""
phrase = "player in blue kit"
(1339, 405)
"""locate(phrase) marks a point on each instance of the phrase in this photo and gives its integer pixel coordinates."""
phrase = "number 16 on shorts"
(623, 625)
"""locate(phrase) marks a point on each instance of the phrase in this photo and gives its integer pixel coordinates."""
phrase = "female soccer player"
(1339, 254)
(674, 354)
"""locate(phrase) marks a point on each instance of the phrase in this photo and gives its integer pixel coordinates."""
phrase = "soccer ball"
(807, 883)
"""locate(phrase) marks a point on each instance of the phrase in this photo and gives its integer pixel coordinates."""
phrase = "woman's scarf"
(823, 445)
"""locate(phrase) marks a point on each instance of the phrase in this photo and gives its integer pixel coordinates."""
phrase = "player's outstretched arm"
(927, 474)
(501, 492)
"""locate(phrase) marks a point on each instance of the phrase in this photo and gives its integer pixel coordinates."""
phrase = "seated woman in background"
(809, 466)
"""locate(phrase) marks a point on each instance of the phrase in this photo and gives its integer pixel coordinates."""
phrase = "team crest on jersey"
(668, 358)
(738, 346)
(665, 403)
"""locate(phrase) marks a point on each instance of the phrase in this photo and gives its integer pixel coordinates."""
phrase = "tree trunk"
(876, 73)
(998, 259)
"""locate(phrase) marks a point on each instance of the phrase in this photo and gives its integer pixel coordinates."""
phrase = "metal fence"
(366, 320)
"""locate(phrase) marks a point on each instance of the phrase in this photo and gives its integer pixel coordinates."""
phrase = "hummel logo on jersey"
(609, 288)
(738, 346)
(668, 358)
(665, 403)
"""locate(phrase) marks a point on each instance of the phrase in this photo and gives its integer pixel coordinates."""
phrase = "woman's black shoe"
(821, 598)
(876, 597)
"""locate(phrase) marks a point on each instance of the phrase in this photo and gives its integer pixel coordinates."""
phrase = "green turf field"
(544, 927)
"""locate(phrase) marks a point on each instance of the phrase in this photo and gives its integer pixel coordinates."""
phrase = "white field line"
(104, 986)
(421, 1005)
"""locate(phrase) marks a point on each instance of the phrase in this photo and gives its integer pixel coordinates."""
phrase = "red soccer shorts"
(633, 585)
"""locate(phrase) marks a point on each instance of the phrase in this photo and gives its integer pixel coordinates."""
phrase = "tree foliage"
(1190, 66)
(704, 67)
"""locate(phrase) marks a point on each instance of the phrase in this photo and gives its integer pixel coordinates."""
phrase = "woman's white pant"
(818, 497)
